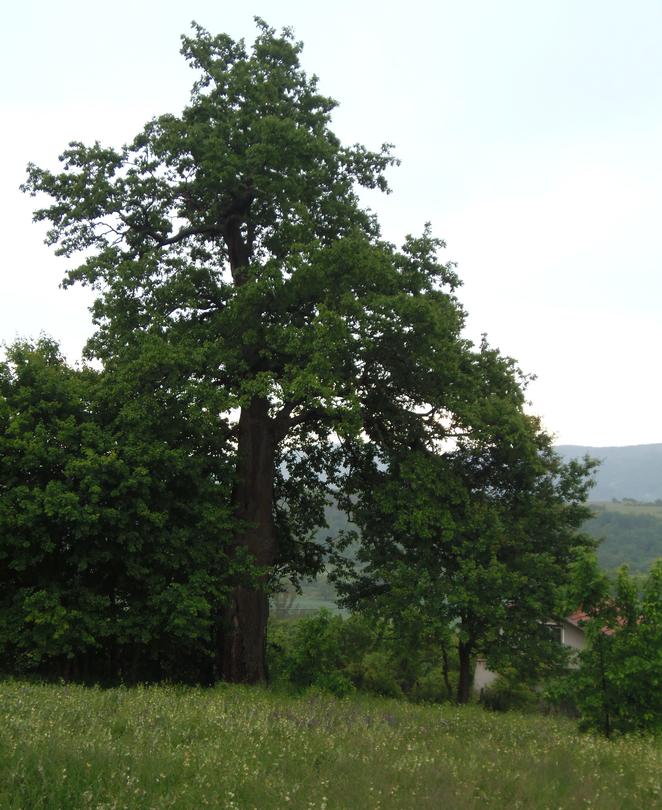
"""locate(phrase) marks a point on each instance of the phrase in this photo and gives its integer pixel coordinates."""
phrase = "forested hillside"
(630, 531)
(627, 501)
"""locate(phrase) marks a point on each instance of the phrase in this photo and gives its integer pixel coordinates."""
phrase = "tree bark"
(465, 681)
(605, 695)
(243, 640)
(245, 628)
(445, 670)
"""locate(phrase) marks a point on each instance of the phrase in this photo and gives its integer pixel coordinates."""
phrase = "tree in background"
(113, 532)
(340, 654)
(470, 522)
(231, 236)
(618, 684)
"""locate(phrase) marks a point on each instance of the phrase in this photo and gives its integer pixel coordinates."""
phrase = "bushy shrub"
(115, 521)
(506, 694)
(307, 652)
(377, 674)
(431, 687)
(338, 655)
(559, 696)
(335, 682)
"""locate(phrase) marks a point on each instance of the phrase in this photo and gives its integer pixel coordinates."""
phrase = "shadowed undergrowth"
(232, 747)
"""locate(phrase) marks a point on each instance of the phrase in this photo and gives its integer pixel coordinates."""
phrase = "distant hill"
(634, 471)
(631, 532)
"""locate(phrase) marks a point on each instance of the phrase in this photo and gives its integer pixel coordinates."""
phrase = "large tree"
(234, 232)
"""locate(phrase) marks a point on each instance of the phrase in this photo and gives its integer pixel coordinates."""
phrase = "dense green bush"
(430, 686)
(617, 687)
(308, 653)
(114, 522)
(340, 655)
(507, 693)
(377, 674)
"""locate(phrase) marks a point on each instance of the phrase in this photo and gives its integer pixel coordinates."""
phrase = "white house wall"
(571, 635)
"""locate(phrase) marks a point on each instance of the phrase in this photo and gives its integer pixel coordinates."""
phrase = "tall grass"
(69, 747)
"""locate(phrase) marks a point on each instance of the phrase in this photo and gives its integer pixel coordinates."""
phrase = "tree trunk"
(606, 727)
(243, 639)
(445, 670)
(465, 681)
(244, 635)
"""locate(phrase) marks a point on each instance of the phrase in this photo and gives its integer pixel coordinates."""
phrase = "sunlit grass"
(68, 747)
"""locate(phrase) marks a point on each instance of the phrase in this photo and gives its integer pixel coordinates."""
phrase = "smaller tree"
(618, 685)
(472, 522)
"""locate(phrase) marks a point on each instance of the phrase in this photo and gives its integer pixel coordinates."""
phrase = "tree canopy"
(476, 537)
(112, 518)
(616, 683)
(230, 239)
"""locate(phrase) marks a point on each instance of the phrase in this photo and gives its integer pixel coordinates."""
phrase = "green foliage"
(617, 687)
(313, 656)
(113, 527)
(376, 673)
(341, 655)
(232, 231)
(477, 535)
(631, 534)
(508, 692)
(230, 240)
(236, 272)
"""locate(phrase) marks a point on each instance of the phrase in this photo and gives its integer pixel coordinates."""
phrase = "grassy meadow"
(71, 747)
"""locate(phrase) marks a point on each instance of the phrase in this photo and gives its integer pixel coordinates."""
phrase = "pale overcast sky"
(530, 135)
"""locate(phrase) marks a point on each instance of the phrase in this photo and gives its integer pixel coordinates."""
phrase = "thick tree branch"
(284, 421)
(206, 230)
(228, 226)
